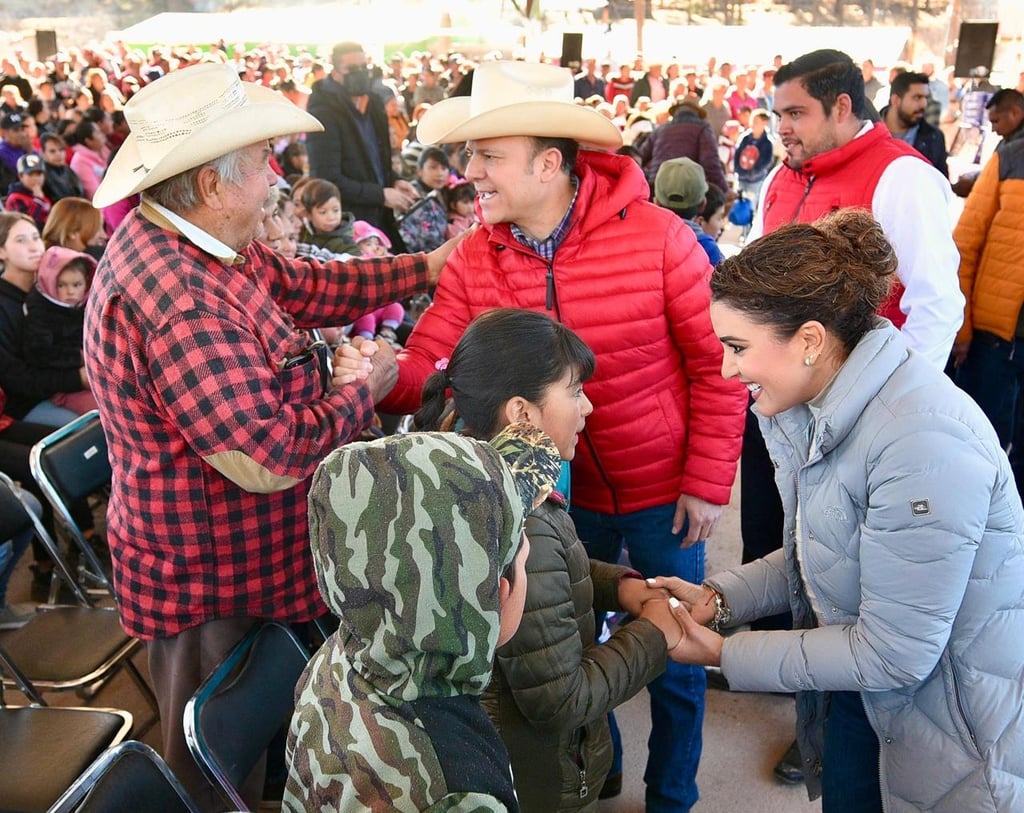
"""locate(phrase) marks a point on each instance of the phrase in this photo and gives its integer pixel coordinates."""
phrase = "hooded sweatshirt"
(410, 535)
(53, 329)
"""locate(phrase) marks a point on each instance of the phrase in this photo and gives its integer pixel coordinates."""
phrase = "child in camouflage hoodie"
(412, 537)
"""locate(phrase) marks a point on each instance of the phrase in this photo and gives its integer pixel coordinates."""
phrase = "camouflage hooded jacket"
(410, 535)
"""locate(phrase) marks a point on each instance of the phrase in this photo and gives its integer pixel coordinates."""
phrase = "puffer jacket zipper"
(581, 765)
(803, 199)
(551, 304)
(883, 741)
(960, 703)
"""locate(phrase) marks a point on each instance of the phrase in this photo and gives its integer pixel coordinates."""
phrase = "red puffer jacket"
(632, 281)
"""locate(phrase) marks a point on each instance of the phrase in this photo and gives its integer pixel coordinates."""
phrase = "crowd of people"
(252, 262)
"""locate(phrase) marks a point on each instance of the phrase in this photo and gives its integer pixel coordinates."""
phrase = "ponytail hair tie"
(441, 365)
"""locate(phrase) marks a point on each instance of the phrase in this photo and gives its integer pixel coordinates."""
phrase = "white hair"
(178, 193)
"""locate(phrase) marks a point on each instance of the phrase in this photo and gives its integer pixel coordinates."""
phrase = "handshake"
(681, 610)
(366, 360)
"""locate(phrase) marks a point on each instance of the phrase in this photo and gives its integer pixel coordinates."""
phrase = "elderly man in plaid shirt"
(216, 406)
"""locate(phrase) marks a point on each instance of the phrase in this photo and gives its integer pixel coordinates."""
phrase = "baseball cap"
(30, 163)
(680, 184)
(12, 121)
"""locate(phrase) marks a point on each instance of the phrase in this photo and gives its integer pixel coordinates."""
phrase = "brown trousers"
(178, 666)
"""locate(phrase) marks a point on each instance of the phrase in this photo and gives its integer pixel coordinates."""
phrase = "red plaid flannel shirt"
(184, 354)
(20, 199)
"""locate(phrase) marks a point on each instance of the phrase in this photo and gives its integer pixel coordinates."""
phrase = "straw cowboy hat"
(517, 99)
(192, 116)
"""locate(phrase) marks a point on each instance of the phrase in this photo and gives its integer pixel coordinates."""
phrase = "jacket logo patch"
(834, 513)
(920, 508)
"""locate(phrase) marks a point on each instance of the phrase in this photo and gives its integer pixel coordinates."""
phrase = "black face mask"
(356, 81)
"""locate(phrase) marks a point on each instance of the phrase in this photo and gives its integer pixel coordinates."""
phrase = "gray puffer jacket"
(911, 548)
(554, 686)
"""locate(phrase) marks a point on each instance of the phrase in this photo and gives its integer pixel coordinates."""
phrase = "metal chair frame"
(258, 676)
(83, 442)
(32, 735)
(32, 657)
(129, 773)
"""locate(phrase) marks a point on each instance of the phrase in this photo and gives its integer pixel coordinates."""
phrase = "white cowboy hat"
(192, 116)
(517, 99)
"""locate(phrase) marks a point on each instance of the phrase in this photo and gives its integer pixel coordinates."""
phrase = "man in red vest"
(835, 158)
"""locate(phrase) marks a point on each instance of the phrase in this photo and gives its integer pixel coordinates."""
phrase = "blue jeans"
(49, 414)
(849, 778)
(992, 375)
(677, 696)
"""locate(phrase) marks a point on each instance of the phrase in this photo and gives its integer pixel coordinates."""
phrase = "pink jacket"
(89, 166)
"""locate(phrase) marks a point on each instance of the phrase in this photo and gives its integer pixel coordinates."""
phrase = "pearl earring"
(809, 361)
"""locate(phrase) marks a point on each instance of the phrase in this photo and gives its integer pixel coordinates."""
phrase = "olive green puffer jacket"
(554, 686)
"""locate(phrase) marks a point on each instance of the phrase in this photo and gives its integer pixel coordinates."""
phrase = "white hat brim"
(267, 115)
(451, 121)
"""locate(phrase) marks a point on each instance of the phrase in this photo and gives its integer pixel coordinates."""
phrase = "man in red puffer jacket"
(571, 233)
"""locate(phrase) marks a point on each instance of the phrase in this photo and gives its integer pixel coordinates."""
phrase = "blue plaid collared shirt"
(546, 248)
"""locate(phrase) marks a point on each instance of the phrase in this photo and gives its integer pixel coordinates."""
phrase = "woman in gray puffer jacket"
(903, 561)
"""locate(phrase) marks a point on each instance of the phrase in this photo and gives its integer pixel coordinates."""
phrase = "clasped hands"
(680, 610)
(366, 360)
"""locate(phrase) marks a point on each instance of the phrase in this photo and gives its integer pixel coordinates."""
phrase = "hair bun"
(857, 227)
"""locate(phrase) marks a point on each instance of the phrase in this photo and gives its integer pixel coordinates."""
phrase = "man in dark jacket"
(908, 100)
(354, 150)
(652, 84)
(587, 82)
(1006, 115)
(687, 135)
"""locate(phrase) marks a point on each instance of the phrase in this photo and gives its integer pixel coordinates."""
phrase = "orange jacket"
(990, 237)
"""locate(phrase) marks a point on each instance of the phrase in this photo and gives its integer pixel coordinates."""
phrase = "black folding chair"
(126, 778)
(242, 705)
(70, 465)
(64, 647)
(43, 750)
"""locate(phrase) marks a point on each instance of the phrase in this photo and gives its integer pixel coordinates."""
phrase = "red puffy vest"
(838, 179)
